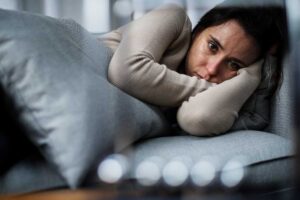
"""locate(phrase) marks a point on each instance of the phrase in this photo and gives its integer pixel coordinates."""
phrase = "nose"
(213, 66)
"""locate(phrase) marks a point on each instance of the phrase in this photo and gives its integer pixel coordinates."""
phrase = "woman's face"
(218, 52)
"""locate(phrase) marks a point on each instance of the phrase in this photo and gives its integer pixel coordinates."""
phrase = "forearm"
(155, 83)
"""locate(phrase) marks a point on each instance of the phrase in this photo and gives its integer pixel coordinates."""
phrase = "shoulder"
(174, 12)
(173, 9)
(170, 15)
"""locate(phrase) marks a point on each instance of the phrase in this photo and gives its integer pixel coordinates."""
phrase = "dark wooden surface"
(153, 194)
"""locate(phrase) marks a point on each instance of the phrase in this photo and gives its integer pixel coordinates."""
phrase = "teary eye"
(234, 65)
(213, 47)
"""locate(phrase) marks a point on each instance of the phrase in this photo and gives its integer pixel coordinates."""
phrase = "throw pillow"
(55, 73)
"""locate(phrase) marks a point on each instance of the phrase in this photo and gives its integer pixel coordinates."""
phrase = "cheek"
(197, 57)
(198, 51)
(229, 75)
(200, 60)
(202, 49)
(195, 64)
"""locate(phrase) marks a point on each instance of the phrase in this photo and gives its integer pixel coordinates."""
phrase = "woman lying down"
(207, 73)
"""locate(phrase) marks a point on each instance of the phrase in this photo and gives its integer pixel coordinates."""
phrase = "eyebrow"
(219, 45)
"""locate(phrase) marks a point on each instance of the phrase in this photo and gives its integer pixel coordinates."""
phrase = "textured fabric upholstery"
(255, 146)
(282, 115)
(272, 171)
(262, 149)
(54, 72)
(30, 174)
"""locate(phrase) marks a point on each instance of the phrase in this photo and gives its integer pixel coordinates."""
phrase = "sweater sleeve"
(136, 66)
(214, 111)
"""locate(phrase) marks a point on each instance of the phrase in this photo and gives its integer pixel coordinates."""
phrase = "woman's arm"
(214, 111)
(162, 34)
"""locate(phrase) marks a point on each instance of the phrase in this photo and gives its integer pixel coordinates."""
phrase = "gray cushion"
(12, 138)
(255, 146)
(55, 74)
(29, 175)
(277, 172)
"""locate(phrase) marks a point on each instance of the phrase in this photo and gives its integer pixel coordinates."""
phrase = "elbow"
(202, 123)
(126, 71)
(118, 74)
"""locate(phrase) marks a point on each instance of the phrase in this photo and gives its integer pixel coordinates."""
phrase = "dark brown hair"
(265, 23)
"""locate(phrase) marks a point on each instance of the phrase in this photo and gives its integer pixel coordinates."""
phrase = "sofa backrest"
(282, 106)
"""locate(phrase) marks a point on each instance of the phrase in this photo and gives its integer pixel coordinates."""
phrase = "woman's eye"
(213, 47)
(233, 65)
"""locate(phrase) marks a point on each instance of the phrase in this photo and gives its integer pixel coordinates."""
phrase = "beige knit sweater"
(147, 54)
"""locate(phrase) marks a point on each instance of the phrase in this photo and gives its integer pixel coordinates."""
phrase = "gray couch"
(46, 152)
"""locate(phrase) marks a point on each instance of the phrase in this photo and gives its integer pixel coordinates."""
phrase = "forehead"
(235, 41)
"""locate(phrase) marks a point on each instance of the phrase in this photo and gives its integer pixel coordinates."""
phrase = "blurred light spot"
(123, 8)
(113, 168)
(203, 173)
(175, 173)
(147, 173)
(233, 172)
